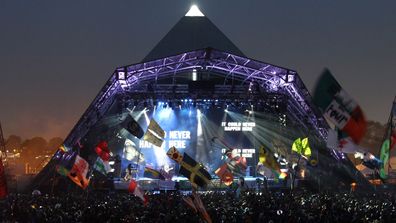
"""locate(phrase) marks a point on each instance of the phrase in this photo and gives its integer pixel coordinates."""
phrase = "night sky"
(56, 55)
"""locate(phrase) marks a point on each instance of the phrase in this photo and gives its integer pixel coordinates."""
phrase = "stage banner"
(338, 107)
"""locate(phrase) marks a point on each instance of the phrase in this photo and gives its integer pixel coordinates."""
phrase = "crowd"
(302, 206)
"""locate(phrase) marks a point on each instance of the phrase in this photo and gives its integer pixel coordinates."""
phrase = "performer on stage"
(128, 173)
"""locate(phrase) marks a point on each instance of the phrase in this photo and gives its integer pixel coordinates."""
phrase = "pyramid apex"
(194, 12)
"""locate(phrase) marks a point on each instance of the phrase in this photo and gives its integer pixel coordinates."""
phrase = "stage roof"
(191, 33)
(134, 78)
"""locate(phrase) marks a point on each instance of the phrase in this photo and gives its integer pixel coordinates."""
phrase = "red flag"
(201, 208)
(225, 174)
(3, 182)
(135, 189)
(190, 203)
(78, 174)
(103, 151)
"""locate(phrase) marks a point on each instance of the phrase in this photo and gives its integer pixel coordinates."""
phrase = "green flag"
(302, 147)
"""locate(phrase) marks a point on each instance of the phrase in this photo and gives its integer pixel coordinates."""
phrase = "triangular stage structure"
(193, 31)
(196, 60)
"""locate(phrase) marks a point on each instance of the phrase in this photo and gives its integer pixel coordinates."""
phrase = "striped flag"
(225, 174)
(338, 107)
(152, 173)
(154, 134)
(135, 189)
(78, 174)
(102, 166)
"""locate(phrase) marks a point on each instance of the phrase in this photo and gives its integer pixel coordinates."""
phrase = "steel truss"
(273, 79)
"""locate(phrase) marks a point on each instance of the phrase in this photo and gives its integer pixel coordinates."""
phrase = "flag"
(196, 204)
(3, 181)
(154, 134)
(174, 154)
(102, 150)
(388, 143)
(225, 174)
(195, 172)
(102, 166)
(64, 148)
(268, 159)
(152, 173)
(342, 143)
(190, 203)
(135, 189)
(302, 147)
(66, 161)
(384, 157)
(201, 208)
(338, 107)
(131, 153)
(347, 145)
(237, 165)
(78, 174)
(132, 127)
(332, 139)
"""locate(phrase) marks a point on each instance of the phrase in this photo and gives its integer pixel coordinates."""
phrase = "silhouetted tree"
(33, 148)
(13, 143)
(53, 145)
